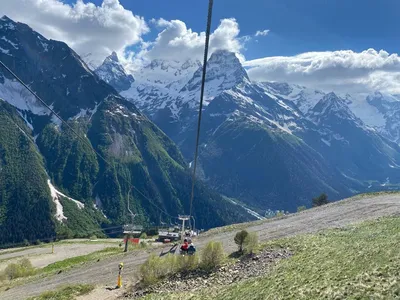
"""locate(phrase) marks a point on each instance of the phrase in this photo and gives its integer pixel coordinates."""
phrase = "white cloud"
(338, 70)
(85, 27)
(99, 30)
(262, 32)
(95, 31)
(178, 42)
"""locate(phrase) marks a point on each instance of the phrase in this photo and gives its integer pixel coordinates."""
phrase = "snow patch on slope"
(26, 120)
(55, 195)
(159, 83)
(368, 113)
(15, 94)
(11, 43)
(59, 208)
(5, 51)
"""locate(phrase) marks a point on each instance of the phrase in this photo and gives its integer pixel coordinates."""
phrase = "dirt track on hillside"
(104, 273)
(42, 256)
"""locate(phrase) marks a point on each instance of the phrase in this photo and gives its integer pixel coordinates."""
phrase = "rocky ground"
(246, 267)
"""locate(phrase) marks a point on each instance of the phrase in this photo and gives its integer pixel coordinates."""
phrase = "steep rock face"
(224, 71)
(112, 72)
(50, 67)
(137, 152)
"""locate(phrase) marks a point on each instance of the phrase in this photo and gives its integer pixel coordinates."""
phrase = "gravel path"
(104, 273)
(42, 256)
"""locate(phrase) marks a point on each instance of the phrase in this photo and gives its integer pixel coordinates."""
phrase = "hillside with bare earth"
(335, 215)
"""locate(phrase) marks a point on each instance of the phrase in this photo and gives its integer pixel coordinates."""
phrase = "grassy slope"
(357, 262)
(65, 293)
(66, 264)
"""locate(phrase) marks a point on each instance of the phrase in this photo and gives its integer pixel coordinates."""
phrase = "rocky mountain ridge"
(316, 130)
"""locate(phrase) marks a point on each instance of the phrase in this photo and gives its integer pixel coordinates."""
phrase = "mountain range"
(263, 145)
(54, 184)
(271, 145)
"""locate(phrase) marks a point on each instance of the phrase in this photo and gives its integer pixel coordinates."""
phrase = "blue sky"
(295, 26)
(325, 44)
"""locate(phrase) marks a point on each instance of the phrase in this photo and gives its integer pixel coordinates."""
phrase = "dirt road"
(104, 273)
(42, 256)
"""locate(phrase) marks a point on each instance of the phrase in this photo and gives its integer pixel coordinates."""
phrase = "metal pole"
(183, 230)
(194, 223)
(126, 242)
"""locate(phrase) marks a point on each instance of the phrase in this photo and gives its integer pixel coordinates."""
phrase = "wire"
(79, 136)
(203, 80)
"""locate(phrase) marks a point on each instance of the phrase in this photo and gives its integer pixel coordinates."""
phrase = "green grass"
(358, 262)
(68, 292)
(67, 264)
(80, 260)
(63, 265)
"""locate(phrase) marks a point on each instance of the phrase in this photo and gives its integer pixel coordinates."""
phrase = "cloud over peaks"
(178, 42)
(85, 27)
(332, 70)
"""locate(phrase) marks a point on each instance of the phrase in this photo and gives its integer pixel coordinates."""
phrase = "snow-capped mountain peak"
(157, 82)
(112, 72)
(224, 71)
(161, 73)
(332, 106)
(383, 102)
(113, 57)
(7, 23)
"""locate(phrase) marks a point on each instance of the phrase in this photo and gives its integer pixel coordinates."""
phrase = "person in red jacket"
(185, 246)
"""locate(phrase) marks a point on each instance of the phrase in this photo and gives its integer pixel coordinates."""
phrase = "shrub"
(156, 268)
(93, 237)
(251, 242)
(150, 270)
(22, 268)
(168, 265)
(239, 239)
(280, 214)
(188, 262)
(212, 255)
(143, 235)
(301, 208)
(320, 200)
